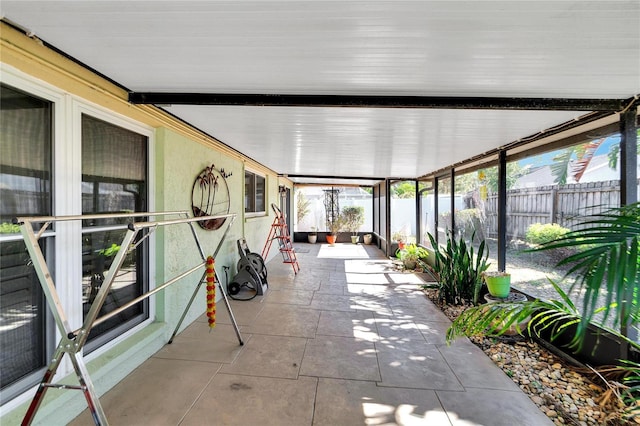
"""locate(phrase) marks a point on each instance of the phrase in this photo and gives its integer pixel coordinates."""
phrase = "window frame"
(50, 238)
(65, 237)
(254, 195)
(81, 108)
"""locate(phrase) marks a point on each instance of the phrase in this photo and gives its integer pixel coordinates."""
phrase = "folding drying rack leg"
(72, 342)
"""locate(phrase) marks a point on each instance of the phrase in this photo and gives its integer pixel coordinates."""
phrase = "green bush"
(541, 234)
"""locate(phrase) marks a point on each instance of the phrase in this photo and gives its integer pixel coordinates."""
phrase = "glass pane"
(549, 194)
(114, 164)
(403, 212)
(25, 190)
(98, 251)
(428, 214)
(466, 217)
(444, 209)
(22, 334)
(260, 193)
(311, 211)
(249, 185)
(25, 163)
(476, 208)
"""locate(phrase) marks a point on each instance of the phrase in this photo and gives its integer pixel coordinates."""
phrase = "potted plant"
(312, 236)
(498, 283)
(335, 226)
(400, 238)
(410, 255)
(353, 219)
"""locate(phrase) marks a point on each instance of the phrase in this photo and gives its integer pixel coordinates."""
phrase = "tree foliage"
(406, 189)
(575, 160)
(302, 205)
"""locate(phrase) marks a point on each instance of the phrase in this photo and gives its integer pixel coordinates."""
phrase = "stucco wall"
(178, 161)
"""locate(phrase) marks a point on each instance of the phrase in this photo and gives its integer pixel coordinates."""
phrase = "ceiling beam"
(367, 101)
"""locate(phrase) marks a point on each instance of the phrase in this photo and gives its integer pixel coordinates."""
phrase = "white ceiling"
(555, 49)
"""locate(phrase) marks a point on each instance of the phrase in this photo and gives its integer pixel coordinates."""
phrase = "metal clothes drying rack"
(73, 341)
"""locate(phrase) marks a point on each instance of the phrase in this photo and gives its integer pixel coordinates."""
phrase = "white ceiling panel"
(555, 49)
(364, 142)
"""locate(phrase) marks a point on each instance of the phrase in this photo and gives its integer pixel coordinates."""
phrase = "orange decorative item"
(211, 292)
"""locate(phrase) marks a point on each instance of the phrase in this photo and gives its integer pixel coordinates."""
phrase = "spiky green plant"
(458, 270)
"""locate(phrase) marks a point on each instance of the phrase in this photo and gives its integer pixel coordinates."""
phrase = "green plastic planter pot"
(499, 285)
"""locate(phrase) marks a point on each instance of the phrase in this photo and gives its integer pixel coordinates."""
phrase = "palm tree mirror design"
(210, 197)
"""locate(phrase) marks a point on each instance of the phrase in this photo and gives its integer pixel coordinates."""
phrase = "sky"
(547, 158)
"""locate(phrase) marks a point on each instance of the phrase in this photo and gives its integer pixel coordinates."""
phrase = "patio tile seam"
(190, 360)
(199, 396)
(444, 410)
(493, 388)
(280, 335)
(380, 384)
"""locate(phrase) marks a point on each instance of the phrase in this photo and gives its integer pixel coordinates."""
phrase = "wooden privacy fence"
(561, 204)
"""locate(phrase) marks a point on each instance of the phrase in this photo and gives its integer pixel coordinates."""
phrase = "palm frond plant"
(606, 262)
(554, 316)
(631, 395)
(457, 270)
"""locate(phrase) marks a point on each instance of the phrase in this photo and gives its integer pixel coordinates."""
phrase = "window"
(403, 211)
(427, 212)
(101, 168)
(475, 215)
(254, 193)
(312, 203)
(25, 189)
(114, 164)
(548, 194)
(443, 225)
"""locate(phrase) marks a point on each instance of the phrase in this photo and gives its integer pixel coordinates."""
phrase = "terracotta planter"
(331, 239)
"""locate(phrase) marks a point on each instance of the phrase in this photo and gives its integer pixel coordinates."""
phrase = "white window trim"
(80, 106)
(66, 121)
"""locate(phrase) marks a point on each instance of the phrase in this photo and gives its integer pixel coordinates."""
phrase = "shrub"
(353, 218)
(541, 234)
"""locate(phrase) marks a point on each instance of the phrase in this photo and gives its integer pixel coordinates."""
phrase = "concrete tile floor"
(348, 341)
